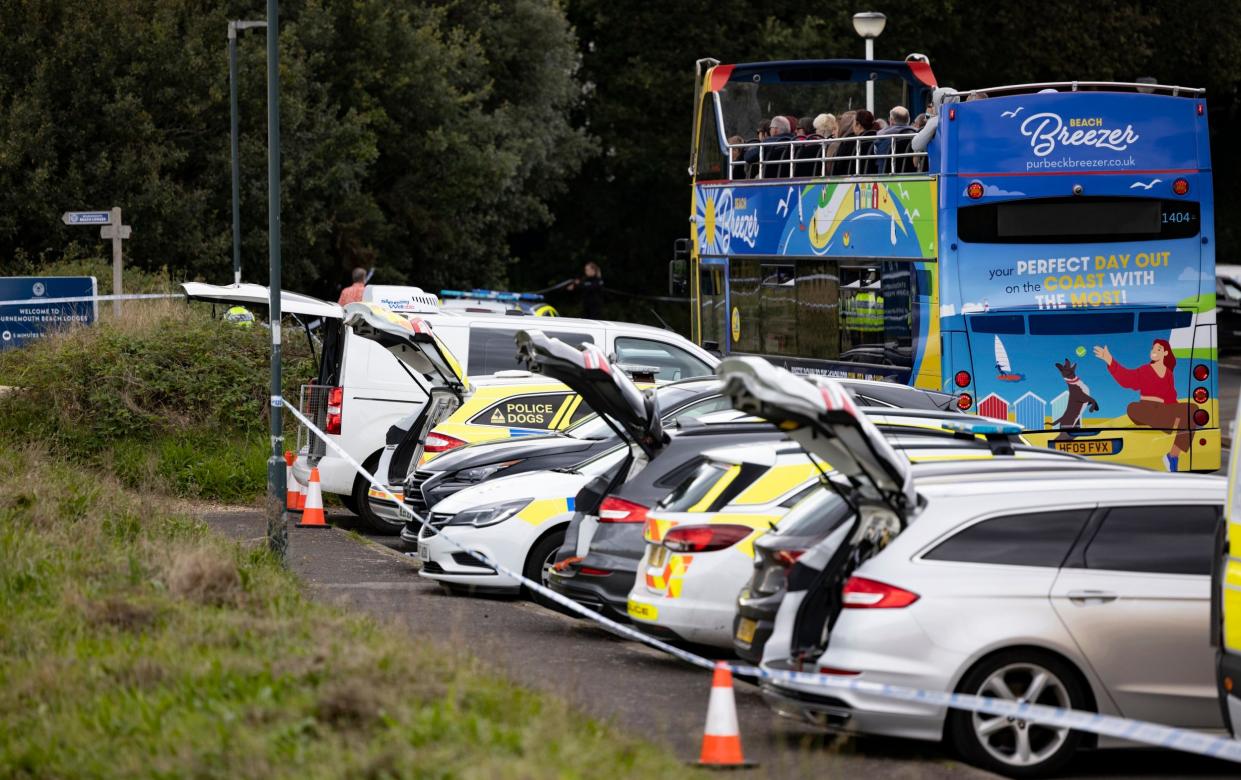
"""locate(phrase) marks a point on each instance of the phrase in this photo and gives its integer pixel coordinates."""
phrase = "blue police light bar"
(490, 295)
(983, 426)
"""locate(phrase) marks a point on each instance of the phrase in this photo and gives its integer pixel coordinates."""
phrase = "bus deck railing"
(1085, 86)
(862, 162)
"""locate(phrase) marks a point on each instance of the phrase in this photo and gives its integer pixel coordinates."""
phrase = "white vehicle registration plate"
(424, 552)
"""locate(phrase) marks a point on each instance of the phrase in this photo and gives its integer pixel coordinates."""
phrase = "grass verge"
(136, 643)
(166, 398)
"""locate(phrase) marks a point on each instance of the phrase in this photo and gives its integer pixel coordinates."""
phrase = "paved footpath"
(630, 685)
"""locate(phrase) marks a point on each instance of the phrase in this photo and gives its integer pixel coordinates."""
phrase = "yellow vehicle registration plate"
(745, 630)
(1086, 447)
(642, 611)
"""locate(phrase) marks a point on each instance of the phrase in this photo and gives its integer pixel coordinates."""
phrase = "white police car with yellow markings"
(518, 522)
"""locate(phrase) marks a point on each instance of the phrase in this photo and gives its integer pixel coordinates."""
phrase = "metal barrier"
(313, 401)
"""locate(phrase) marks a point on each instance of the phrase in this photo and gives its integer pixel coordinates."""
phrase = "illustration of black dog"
(1079, 397)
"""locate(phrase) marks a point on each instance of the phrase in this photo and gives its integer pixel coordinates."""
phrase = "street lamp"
(869, 25)
(233, 28)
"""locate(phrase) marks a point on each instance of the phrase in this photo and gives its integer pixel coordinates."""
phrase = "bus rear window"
(1064, 220)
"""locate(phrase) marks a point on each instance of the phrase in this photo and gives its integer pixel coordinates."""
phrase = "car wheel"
(372, 521)
(1011, 746)
(539, 564)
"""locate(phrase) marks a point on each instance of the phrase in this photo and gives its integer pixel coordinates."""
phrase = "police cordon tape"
(85, 298)
(1138, 731)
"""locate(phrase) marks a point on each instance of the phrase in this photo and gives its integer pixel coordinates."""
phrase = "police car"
(360, 391)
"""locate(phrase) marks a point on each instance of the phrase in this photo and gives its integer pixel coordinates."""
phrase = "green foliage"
(168, 398)
(411, 133)
(136, 643)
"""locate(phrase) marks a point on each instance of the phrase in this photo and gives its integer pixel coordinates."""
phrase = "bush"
(167, 398)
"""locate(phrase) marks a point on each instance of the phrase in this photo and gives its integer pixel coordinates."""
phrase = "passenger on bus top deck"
(898, 122)
(780, 132)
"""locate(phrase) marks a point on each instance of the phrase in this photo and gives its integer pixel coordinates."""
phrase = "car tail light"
(442, 442)
(1201, 372)
(1201, 418)
(787, 558)
(705, 538)
(1181, 186)
(618, 510)
(861, 593)
(962, 379)
(838, 672)
(965, 401)
(591, 571)
(1201, 395)
(335, 405)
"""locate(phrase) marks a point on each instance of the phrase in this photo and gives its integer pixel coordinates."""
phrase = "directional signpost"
(111, 227)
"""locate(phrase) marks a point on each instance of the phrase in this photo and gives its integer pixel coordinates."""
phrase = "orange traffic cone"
(312, 514)
(293, 500)
(721, 739)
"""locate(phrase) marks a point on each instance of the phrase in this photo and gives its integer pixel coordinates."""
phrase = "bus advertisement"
(1042, 251)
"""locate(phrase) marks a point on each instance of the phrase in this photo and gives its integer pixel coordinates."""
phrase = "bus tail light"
(1201, 418)
(442, 442)
(861, 593)
(1201, 372)
(963, 379)
(974, 190)
(965, 401)
(1181, 186)
(335, 407)
(1201, 395)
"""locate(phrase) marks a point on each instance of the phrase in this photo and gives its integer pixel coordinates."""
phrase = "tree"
(409, 133)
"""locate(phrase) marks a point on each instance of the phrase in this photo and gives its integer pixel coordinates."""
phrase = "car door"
(821, 416)
(1135, 595)
(608, 391)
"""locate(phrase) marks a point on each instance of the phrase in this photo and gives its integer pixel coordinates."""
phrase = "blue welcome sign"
(23, 317)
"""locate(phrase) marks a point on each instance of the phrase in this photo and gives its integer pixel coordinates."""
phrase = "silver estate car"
(1072, 584)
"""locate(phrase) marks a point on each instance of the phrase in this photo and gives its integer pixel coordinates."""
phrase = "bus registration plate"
(1087, 447)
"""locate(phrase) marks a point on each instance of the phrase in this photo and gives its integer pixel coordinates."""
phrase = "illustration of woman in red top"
(1157, 405)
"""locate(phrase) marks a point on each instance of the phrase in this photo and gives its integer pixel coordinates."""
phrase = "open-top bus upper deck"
(1028, 225)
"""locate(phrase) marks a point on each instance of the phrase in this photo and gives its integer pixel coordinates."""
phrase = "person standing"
(591, 285)
(353, 293)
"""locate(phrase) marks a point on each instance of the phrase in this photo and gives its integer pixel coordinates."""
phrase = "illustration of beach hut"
(993, 406)
(1058, 405)
(1031, 412)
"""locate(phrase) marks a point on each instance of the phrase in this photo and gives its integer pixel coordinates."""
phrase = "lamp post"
(233, 28)
(277, 534)
(869, 25)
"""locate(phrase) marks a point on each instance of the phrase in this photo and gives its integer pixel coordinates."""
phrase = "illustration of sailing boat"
(1004, 367)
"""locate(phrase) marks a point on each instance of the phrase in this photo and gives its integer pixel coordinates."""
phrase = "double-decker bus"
(1044, 251)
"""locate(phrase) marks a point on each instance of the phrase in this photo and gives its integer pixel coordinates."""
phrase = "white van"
(362, 390)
